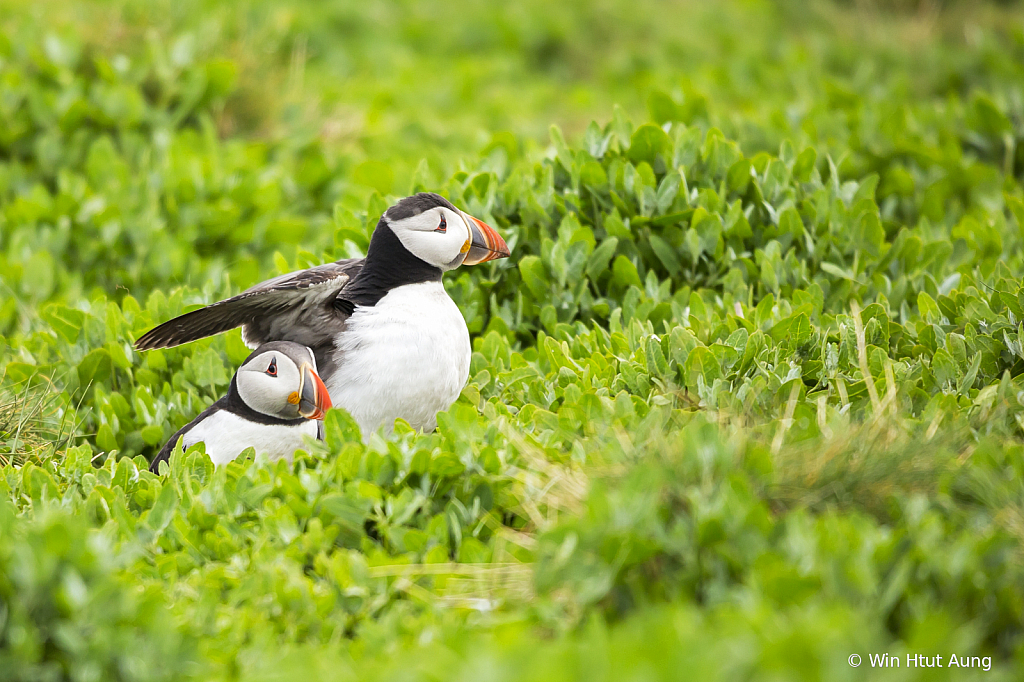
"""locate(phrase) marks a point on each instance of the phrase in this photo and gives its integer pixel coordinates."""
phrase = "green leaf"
(837, 271)
(625, 273)
(763, 312)
(95, 367)
(598, 262)
(769, 277)
(152, 434)
(656, 363)
(163, 510)
(795, 330)
(927, 308)
(593, 176)
(681, 342)
(971, 376)
(869, 234)
(738, 177)
(702, 362)
(647, 143)
(666, 254)
(943, 367)
(346, 510)
(65, 321)
(534, 275)
(667, 191)
(340, 428)
(790, 223)
(804, 164)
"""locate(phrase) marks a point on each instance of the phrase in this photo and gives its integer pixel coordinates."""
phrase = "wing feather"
(296, 307)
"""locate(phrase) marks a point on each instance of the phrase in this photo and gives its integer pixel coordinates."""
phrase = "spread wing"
(299, 307)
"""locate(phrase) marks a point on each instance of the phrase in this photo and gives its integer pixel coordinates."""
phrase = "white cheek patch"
(441, 249)
(266, 394)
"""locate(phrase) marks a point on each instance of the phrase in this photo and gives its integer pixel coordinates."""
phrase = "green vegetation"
(747, 398)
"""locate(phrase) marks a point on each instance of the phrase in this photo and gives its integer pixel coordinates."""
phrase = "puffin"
(388, 339)
(276, 397)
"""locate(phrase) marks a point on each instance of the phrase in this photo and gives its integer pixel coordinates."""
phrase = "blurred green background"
(275, 118)
(745, 400)
(383, 86)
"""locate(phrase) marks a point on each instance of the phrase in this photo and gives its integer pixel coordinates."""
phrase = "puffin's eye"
(272, 370)
(443, 227)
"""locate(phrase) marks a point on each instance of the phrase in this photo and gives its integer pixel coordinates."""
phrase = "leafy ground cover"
(747, 398)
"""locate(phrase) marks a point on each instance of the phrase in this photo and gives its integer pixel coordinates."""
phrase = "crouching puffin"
(275, 398)
(388, 339)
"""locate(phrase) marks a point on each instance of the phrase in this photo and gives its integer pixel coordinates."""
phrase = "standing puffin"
(388, 339)
(275, 398)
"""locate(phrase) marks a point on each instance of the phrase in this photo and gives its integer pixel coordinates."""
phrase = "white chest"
(408, 357)
(226, 435)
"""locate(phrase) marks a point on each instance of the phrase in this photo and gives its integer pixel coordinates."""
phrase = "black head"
(278, 381)
(416, 204)
(418, 239)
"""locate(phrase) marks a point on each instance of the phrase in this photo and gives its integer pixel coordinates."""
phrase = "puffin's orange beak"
(315, 400)
(485, 243)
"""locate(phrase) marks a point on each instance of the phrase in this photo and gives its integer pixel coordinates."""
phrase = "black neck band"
(388, 265)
